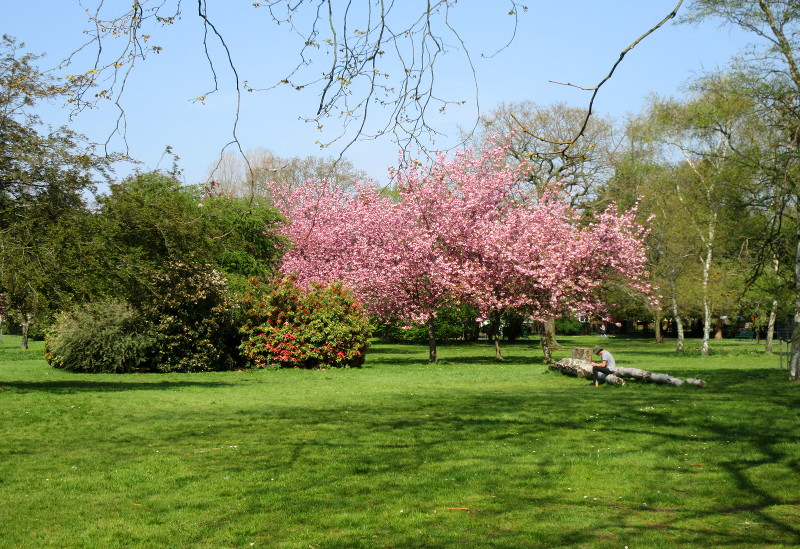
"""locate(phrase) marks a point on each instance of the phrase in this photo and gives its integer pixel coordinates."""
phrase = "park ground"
(468, 452)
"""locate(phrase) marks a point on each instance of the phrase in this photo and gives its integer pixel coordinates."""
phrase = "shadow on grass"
(470, 353)
(101, 386)
(457, 431)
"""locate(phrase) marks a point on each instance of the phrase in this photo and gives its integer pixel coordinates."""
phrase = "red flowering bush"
(287, 327)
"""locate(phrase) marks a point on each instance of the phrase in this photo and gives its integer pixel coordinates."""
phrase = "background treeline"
(714, 172)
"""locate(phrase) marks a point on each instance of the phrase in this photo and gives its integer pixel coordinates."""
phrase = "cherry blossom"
(461, 230)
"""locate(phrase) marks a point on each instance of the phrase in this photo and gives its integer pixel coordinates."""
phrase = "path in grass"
(468, 452)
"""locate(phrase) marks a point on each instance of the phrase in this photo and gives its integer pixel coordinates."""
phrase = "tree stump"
(582, 353)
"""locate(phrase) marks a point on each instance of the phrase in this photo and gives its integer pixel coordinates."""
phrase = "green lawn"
(465, 453)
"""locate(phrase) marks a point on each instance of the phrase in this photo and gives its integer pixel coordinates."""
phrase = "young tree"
(773, 69)
(696, 139)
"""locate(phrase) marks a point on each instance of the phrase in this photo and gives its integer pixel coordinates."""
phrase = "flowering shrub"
(284, 326)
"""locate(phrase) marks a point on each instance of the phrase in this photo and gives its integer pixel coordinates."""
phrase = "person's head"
(597, 350)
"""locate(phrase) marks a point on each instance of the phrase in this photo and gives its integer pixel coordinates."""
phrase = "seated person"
(607, 364)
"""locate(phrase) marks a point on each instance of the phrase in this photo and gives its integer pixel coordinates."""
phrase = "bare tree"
(249, 175)
(591, 157)
(362, 59)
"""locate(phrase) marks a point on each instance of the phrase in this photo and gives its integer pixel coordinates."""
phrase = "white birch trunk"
(678, 326)
(706, 305)
(794, 358)
(771, 327)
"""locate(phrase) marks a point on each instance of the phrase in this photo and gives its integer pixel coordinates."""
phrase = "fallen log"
(579, 366)
(653, 377)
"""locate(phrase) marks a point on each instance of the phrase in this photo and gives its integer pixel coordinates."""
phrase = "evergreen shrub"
(191, 319)
(569, 327)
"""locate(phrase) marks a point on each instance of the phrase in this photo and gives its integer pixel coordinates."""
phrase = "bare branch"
(596, 89)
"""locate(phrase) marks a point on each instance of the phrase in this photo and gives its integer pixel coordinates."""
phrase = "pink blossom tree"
(368, 241)
(461, 231)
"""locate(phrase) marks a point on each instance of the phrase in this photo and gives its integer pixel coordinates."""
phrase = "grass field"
(468, 452)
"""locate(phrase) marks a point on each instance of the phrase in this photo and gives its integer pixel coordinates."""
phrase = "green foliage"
(45, 176)
(245, 244)
(150, 219)
(403, 333)
(190, 317)
(101, 337)
(569, 327)
(285, 326)
(452, 323)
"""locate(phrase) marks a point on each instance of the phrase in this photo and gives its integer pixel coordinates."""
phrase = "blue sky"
(574, 42)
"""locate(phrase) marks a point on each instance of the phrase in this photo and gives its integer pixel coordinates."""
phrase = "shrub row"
(188, 322)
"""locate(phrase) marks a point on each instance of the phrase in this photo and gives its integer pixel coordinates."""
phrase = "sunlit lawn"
(468, 452)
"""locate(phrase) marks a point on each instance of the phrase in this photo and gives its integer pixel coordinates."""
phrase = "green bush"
(285, 326)
(103, 337)
(190, 318)
(184, 323)
(452, 323)
(569, 327)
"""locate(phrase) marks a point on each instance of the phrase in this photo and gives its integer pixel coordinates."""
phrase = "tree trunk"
(657, 325)
(794, 358)
(496, 323)
(431, 340)
(709, 242)
(676, 317)
(706, 307)
(550, 330)
(548, 356)
(771, 327)
(25, 324)
(578, 367)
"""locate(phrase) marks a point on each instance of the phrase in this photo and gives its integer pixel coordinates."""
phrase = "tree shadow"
(101, 386)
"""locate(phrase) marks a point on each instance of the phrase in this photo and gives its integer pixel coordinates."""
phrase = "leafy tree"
(45, 178)
(772, 71)
(150, 220)
(699, 186)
